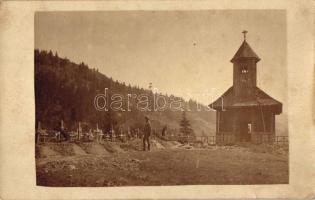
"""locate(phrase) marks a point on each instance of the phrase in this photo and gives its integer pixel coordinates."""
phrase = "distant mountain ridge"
(66, 90)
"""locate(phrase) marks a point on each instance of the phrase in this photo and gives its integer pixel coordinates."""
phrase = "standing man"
(62, 130)
(164, 130)
(147, 132)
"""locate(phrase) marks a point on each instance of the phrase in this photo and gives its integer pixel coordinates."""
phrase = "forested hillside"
(66, 90)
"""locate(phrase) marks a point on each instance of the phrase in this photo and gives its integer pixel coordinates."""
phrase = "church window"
(244, 70)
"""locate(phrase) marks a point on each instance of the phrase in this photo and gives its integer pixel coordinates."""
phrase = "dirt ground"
(168, 163)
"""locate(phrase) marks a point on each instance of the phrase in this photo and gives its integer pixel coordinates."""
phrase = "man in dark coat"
(164, 130)
(62, 131)
(147, 133)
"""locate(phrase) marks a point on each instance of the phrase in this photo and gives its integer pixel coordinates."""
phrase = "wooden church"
(244, 112)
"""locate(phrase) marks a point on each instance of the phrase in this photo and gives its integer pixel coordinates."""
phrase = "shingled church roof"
(227, 101)
(245, 51)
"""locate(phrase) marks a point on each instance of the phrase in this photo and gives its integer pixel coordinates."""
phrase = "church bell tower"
(244, 72)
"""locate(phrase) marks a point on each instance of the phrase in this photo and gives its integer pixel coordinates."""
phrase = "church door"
(245, 131)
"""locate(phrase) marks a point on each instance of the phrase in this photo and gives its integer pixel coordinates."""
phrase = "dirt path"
(164, 167)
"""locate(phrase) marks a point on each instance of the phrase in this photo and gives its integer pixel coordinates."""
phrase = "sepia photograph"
(161, 98)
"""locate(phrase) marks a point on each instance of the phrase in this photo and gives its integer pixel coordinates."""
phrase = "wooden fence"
(222, 139)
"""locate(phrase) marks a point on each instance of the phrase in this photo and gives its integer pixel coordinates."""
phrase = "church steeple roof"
(245, 51)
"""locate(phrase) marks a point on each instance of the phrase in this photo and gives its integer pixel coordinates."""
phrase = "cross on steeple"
(244, 32)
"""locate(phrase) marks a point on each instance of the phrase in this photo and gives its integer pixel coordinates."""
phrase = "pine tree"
(185, 126)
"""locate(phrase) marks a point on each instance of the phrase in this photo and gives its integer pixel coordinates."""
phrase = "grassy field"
(161, 166)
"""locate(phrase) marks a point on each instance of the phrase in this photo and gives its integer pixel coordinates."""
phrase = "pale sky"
(180, 52)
